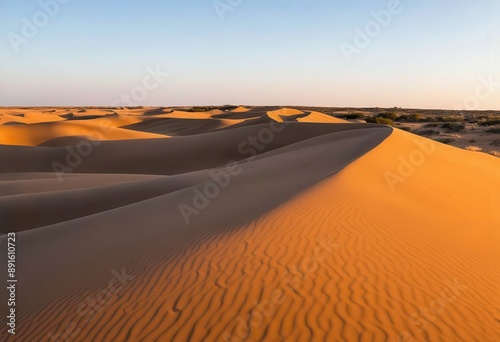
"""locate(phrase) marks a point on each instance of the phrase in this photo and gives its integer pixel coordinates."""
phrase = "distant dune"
(264, 224)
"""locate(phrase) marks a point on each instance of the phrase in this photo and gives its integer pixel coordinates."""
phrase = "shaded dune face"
(262, 224)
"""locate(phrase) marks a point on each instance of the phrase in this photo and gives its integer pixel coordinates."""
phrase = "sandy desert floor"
(263, 224)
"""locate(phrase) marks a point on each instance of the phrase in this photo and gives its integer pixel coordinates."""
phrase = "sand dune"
(240, 109)
(320, 117)
(261, 224)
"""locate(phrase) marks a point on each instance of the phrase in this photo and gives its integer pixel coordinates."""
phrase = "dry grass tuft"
(473, 148)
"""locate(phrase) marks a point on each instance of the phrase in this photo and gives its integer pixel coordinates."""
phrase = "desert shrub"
(483, 117)
(405, 128)
(227, 107)
(354, 116)
(445, 140)
(208, 108)
(495, 130)
(432, 124)
(472, 141)
(490, 122)
(416, 118)
(200, 109)
(473, 148)
(388, 115)
(494, 153)
(454, 126)
(450, 118)
(427, 132)
(380, 120)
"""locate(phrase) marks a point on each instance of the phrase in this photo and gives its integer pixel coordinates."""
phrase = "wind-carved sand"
(262, 224)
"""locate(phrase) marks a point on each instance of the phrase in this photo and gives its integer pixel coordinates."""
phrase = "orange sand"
(323, 231)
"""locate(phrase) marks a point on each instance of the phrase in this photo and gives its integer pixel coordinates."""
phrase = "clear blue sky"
(430, 55)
